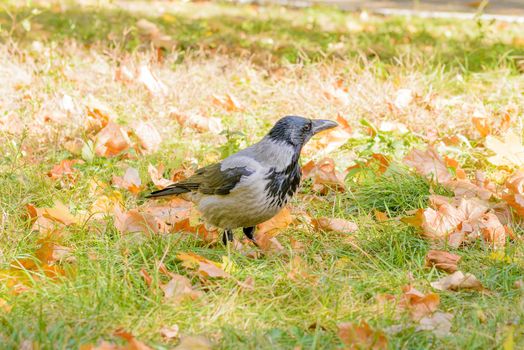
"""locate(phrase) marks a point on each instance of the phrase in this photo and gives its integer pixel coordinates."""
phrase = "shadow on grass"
(277, 38)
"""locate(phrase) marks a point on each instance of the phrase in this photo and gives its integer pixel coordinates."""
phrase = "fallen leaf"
(442, 260)
(64, 169)
(324, 175)
(170, 333)
(135, 221)
(178, 289)
(197, 121)
(59, 213)
(229, 102)
(380, 216)
(334, 224)
(111, 141)
(482, 125)
(428, 163)
(155, 86)
(514, 192)
(194, 343)
(131, 181)
(361, 336)
(49, 253)
(132, 342)
(277, 223)
(457, 281)
(205, 268)
(98, 114)
(509, 152)
(439, 323)
(492, 230)
(156, 176)
(418, 304)
(149, 137)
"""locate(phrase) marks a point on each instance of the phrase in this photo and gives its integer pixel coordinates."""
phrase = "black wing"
(207, 180)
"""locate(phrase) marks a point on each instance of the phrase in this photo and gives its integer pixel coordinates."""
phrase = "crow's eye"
(307, 127)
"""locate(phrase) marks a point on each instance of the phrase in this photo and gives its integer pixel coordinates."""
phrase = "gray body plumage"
(248, 203)
(254, 184)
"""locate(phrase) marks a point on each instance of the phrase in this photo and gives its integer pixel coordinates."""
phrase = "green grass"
(223, 48)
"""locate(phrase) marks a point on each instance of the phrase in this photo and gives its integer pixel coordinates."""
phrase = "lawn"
(93, 90)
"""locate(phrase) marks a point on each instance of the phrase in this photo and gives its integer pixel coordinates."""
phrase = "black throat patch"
(283, 184)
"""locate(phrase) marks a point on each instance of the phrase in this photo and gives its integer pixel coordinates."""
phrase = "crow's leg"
(250, 233)
(227, 236)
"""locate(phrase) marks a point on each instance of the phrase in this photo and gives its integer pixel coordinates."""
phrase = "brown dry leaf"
(131, 181)
(111, 141)
(380, 216)
(442, 260)
(50, 252)
(149, 137)
(132, 342)
(155, 86)
(514, 192)
(335, 225)
(205, 268)
(179, 288)
(482, 125)
(278, 222)
(197, 121)
(361, 336)
(457, 281)
(194, 343)
(156, 176)
(170, 333)
(64, 169)
(439, 323)
(509, 152)
(324, 176)
(467, 189)
(446, 218)
(428, 163)
(98, 114)
(229, 102)
(265, 232)
(418, 304)
(492, 230)
(58, 213)
(135, 221)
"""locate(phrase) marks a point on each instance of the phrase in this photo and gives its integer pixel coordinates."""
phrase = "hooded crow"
(254, 184)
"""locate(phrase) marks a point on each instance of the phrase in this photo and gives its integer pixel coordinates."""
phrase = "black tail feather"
(168, 191)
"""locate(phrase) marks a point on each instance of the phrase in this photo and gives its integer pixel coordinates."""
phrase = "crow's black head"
(296, 131)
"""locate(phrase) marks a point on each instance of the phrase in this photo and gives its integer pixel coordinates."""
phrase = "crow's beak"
(322, 124)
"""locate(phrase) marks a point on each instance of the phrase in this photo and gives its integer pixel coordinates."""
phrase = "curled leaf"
(335, 224)
(111, 141)
(457, 281)
(442, 260)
